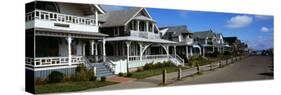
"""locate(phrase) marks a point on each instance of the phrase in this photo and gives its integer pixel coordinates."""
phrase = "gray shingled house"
(185, 45)
(209, 41)
(134, 40)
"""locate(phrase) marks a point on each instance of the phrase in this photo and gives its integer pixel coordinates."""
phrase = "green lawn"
(69, 86)
(153, 72)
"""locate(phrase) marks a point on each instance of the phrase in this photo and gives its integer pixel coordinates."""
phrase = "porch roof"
(72, 32)
(140, 39)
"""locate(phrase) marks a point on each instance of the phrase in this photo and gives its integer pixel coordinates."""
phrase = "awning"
(66, 33)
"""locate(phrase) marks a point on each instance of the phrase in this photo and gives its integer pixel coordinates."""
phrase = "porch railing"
(59, 17)
(110, 64)
(52, 61)
(146, 57)
(144, 34)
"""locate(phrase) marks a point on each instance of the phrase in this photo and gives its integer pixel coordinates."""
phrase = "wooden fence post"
(164, 79)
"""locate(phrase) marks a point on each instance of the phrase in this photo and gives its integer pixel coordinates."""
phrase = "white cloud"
(239, 21)
(264, 29)
(263, 17)
(183, 13)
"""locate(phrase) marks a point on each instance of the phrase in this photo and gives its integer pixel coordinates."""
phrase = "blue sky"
(255, 30)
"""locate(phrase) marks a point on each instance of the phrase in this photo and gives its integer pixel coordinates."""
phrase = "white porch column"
(84, 47)
(69, 40)
(96, 18)
(92, 47)
(166, 48)
(203, 48)
(152, 29)
(138, 25)
(146, 23)
(191, 51)
(186, 51)
(103, 49)
(141, 51)
(175, 50)
(128, 43)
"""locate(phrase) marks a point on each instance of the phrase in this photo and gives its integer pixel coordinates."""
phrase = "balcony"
(188, 41)
(144, 34)
(54, 20)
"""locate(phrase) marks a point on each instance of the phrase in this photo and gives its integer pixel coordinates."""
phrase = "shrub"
(120, 74)
(139, 69)
(168, 64)
(82, 74)
(55, 76)
(148, 66)
(39, 81)
(103, 78)
(129, 74)
(158, 65)
(67, 78)
(93, 78)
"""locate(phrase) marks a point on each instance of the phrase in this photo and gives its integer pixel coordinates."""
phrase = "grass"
(70, 86)
(153, 72)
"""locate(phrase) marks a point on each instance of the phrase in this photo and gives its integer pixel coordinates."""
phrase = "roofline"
(99, 8)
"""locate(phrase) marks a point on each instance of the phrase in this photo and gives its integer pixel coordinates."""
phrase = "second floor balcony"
(54, 20)
(144, 34)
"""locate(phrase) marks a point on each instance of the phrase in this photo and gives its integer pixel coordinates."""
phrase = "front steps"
(102, 70)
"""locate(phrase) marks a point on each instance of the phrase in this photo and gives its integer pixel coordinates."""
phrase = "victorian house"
(185, 46)
(59, 36)
(209, 41)
(134, 40)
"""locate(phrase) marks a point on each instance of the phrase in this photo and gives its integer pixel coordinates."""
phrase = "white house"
(134, 40)
(209, 41)
(60, 35)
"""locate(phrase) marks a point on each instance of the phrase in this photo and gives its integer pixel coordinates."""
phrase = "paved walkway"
(154, 81)
(252, 68)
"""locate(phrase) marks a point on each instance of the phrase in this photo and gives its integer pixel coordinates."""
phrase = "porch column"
(152, 29)
(103, 49)
(186, 51)
(128, 43)
(92, 47)
(141, 51)
(96, 18)
(203, 49)
(191, 52)
(166, 48)
(175, 50)
(69, 40)
(138, 25)
(146, 23)
(84, 47)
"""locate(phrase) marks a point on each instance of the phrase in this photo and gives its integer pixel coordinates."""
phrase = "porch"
(131, 52)
(52, 49)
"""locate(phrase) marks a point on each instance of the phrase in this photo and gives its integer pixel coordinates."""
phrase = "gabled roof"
(204, 34)
(175, 30)
(230, 40)
(118, 18)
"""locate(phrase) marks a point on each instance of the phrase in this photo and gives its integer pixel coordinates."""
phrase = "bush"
(67, 78)
(148, 66)
(39, 81)
(55, 76)
(129, 74)
(82, 74)
(158, 65)
(168, 64)
(93, 78)
(103, 78)
(139, 69)
(120, 74)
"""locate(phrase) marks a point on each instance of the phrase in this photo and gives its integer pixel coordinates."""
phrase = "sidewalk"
(155, 81)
